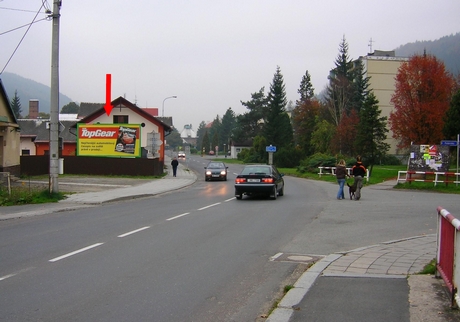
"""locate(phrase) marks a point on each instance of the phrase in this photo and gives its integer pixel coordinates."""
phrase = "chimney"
(33, 109)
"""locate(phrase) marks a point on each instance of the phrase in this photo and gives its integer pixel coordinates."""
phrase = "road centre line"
(229, 199)
(178, 216)
(274, 257)
(134, 231)
(214, 204)
(75, 252)
(6, 276)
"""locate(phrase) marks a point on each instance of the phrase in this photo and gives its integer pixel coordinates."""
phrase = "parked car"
(259, 179)
(215, 171)
(181, 155)
(211, 152)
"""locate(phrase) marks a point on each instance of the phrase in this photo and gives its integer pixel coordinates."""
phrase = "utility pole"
(54, 108)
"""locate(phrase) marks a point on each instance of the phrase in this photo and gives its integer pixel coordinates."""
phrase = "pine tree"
(249, 125)
(200, 134)
(346, 85)
(304, 115)
(452, 118)
(228, 124)
(372, 132)
(277, 125)
(360, 86)
(306, 90)
(16, 105)
(205, 143)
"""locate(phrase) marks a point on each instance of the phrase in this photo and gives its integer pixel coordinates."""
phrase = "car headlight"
(208, 173)
(223, 173)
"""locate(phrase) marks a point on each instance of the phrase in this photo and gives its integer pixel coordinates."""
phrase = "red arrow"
(108, 93)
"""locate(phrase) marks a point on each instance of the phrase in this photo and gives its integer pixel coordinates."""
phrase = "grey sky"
(212, 54)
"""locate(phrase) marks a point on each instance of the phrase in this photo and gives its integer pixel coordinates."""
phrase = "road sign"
(270, 148)
(449, 142)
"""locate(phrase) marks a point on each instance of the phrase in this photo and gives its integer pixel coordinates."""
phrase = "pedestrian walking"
(358, 171)
(340, 174)
(174, 164)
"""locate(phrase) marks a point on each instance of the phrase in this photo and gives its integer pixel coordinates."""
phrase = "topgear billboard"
(109, 140)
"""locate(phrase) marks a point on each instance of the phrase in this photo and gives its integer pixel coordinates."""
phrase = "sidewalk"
(118, 190)
(373, 283)
(366, 269)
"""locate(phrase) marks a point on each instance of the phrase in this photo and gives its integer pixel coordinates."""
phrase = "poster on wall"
(109, 140)
(429, 158)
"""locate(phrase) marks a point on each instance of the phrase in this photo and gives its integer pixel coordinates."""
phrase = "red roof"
(151, 110)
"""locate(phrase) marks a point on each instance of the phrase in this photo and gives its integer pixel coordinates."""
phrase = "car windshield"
(256, 170)
(216, 165)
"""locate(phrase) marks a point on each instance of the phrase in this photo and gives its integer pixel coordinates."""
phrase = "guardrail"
(448, 249)
(435, 177)
(331, 171)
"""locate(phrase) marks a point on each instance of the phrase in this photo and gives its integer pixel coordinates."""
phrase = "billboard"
(429, 158)
(109, 140)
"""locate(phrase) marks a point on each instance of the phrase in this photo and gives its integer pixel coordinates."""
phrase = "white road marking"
(75, 252)
(214, 204)
(229, 199)
(178, 216)
(274, 257)
(16, 273)
(6, 276)
(134, 231)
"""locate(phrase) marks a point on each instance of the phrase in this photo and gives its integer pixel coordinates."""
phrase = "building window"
(117, 119)
(25, 152)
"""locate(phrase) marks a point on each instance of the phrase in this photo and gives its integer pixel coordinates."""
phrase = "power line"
(3, 33)
(30, 25)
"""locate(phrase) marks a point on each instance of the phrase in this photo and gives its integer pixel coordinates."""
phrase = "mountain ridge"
(29, 89)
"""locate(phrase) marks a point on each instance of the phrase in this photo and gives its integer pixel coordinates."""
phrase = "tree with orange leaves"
(423, 92)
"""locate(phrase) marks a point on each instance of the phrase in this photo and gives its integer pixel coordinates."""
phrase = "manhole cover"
(298, 258)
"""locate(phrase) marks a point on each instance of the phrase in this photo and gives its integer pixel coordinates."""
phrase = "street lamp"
(163, 107)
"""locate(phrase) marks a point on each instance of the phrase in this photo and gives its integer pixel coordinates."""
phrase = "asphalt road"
(192, 255)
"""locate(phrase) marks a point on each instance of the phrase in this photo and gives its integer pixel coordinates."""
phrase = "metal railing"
(331, 171)
(448, 248)
(427, 176)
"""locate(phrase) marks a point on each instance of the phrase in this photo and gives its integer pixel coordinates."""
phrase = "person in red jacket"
(358, 171)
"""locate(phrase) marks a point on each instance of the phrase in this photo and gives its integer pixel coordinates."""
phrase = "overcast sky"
(212, 54)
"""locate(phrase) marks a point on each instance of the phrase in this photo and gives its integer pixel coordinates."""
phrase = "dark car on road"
(215, 171)
(259, 179)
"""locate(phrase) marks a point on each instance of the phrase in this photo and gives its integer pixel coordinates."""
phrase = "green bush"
(390, 160)
(318, 160)
(287, 157)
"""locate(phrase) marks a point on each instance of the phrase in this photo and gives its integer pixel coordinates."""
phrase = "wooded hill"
(447, 49)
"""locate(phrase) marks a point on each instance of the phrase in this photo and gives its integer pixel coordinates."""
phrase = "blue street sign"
(449, 142)
(270, 148)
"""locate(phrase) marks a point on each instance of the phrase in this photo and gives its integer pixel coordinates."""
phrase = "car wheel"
(281, 192)
(225, 178)
(238, 196)
(274, 193)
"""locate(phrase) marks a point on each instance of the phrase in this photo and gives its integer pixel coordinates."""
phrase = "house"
(125, 112)
(35, 136)
(188, 135)
(9, 136)
(382, 67)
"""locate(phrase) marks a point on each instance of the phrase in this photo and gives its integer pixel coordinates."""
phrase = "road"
(192, 255)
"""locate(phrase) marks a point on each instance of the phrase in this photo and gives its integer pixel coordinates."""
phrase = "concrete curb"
(295, 295)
